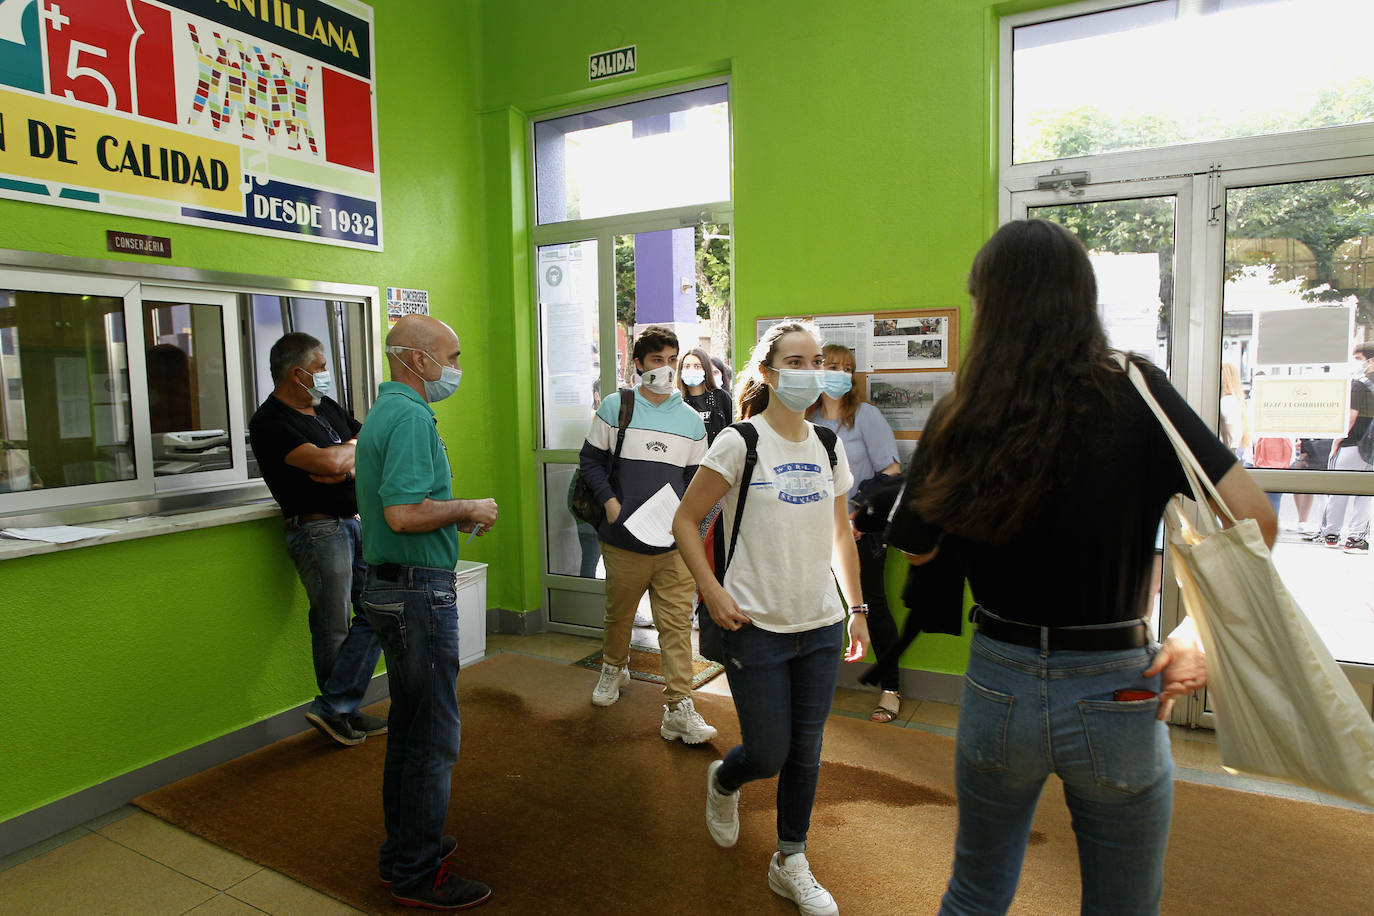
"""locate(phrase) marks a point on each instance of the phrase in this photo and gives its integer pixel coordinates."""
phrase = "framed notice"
(1308, 408)
(253, 115)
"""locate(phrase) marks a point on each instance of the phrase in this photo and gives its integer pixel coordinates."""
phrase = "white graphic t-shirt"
(780, 575)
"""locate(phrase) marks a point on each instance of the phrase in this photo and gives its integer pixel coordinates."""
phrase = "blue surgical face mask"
(798, 389)
(693, 377)
(837, 384)
(320, 384)
(435, 389)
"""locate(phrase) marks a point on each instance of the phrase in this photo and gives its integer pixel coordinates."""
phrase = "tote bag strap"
(1198, 481)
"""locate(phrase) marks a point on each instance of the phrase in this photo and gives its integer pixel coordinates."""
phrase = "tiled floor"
(130, 862)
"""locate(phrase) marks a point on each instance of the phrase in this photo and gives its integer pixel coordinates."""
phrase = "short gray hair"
(289, 352)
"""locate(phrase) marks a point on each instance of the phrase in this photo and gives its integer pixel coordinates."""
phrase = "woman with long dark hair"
(783, 622)
(696, 379)
(872, 452)
(1041, 479)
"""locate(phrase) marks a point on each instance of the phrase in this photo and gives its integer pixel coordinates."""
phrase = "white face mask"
(693, 377)
(798, 389)
(659, 381)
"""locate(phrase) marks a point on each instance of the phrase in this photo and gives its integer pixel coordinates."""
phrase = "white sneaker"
(722, 811)
(608, 686)
(794, 881)
(685, 723)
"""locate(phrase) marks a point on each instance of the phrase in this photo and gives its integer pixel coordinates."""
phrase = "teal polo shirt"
(401, 460)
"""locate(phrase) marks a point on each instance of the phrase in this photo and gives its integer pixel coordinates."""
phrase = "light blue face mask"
(437, 389)
(798, 389)
(320, 383)
(837, 383)
(693, 377)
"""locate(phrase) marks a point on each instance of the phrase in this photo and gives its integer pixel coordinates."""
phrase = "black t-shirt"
(1362, 402)
(715, 409)
(278, 429)
(1087, 557)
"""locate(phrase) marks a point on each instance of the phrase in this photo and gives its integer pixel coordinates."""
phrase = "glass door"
(595, 295)
(1140, 251)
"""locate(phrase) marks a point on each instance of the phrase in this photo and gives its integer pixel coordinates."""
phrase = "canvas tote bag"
(1283, 707)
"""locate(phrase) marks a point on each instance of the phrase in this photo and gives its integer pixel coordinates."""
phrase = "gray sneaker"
(607, 689)
(793, 879)
(722, 811)
(336, 727)
(368, 725)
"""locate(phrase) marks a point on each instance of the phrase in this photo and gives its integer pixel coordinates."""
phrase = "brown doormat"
(563, 807)
(646, 664)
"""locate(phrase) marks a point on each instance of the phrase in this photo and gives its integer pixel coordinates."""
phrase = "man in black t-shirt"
(304, 442)
(1344, 513)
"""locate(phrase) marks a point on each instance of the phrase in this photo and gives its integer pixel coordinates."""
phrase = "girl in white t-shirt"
(782, 619)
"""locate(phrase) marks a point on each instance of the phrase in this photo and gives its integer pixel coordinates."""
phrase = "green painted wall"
(863, 172)
(117, 656)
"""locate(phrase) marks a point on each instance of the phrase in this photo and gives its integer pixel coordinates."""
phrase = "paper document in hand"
(652, 522)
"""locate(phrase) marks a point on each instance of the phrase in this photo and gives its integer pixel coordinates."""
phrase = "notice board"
(905, 360)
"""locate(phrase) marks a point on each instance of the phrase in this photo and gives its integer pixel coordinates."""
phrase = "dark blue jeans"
(416, 618)
(1027, 713)
(329, 560)
(783, 684)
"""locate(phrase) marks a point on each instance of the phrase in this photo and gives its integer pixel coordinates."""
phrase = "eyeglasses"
(333, 436)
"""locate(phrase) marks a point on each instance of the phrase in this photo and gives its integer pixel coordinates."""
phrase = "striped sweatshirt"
(664, 443)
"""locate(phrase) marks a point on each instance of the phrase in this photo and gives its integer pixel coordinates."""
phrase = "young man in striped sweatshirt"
(664, 442)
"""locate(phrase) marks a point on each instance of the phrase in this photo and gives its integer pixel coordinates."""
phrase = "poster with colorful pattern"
(253, 115)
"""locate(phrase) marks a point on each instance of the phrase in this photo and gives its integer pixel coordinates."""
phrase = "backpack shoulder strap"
(627, 412)
(827, 437)
(750, 435)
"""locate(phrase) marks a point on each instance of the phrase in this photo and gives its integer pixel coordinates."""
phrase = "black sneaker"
(447, 845)
(1315, 536)
(368, 725)
(336, 727)
(446, 891)
(1356, 545)
(1332, 540)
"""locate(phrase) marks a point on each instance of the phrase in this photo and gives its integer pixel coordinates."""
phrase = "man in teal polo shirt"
(410, 542)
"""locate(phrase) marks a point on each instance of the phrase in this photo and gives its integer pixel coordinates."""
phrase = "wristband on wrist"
(859, 609)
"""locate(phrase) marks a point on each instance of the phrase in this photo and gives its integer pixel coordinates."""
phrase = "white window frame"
(134, 283)
(1185, 159)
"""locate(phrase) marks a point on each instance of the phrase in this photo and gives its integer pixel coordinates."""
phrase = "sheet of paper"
(906, 398)
(57, 534)
(852, 331)
(652, 522)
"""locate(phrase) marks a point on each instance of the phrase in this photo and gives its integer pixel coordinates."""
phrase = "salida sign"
(255, 115)
(611, 63)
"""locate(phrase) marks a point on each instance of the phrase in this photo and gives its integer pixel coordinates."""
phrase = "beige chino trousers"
(671, 593)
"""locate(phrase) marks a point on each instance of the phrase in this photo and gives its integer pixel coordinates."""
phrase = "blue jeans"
(329, 560)
(783, 684)
(1026, 714)
(417, 620)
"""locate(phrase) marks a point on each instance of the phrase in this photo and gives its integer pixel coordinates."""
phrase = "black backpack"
(711, 645)
(582, 502)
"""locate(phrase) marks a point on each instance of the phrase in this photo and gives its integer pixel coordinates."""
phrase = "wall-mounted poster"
(252, 115)
(910, 343)
(906, 398)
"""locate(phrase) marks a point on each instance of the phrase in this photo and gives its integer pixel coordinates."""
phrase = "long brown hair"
(752, 396)
(849, 401)
(991, 448)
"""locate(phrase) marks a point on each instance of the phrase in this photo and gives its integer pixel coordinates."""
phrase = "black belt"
(1078, 639)
(399, 572)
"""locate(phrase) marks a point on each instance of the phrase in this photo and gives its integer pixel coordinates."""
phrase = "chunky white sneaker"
(722, 811)
(793, 880)
(685, 723)
(607, 689)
